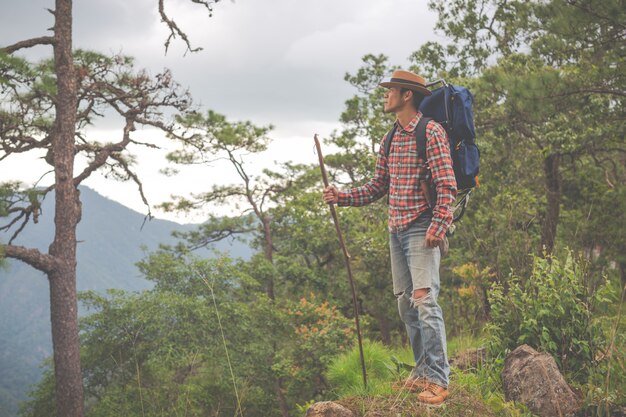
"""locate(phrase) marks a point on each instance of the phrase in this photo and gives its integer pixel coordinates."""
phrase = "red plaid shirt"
(400, 174)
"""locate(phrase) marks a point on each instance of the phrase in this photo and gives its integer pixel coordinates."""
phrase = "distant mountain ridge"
(112, 239)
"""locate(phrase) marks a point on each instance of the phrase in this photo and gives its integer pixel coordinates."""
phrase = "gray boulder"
(328, 409)
(533, 379)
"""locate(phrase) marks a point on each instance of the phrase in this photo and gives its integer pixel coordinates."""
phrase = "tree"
(207, 139)
(47, 107)
(197, 343)
(211, 138)
(160, 352)
(554, 68)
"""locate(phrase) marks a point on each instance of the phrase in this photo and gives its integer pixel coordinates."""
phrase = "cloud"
(279, 62)
(393, 28)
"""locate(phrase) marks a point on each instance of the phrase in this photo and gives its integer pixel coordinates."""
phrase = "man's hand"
(331, 195)
(432, 241)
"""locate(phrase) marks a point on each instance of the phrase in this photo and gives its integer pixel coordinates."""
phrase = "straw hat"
(406, 79)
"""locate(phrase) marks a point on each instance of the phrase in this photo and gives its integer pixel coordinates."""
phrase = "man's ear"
(408, 95)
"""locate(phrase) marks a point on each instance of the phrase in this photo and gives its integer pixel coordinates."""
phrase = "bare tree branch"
(593, 91)
(21, 144)
(175, 30)
(28, 43)
(135, 179)
(594, 12)
(104, 153)
(40, 261)
(24, 216)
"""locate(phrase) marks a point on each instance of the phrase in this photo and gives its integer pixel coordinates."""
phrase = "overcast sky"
(268, 61)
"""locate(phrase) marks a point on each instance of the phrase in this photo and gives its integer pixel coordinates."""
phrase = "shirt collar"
(412, 124)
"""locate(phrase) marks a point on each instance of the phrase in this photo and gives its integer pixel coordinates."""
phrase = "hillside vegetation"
(113, 239)
(539, 258)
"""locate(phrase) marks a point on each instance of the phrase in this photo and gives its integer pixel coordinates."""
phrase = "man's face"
(392, 100)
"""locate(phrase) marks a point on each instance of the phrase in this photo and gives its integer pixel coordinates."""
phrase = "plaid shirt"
(400, 175)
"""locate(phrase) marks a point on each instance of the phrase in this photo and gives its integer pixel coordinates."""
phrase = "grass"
(464, 342)
(346, 377)
(465, 399)
(470, 393)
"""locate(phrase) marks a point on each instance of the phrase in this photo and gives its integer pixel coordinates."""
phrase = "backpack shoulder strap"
(388, 139)
(420, 136)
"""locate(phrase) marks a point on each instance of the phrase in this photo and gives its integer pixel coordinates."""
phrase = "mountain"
(112, 239)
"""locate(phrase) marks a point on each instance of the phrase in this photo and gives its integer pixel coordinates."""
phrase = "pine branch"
(33, 257)
(28, 43)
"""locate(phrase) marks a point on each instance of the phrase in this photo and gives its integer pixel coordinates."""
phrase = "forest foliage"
(539, 258)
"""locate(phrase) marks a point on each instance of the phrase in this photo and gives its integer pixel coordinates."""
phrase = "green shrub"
(605, 390)
(552, 311)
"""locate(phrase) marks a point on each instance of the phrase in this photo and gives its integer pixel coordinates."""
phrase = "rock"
(534, 379)
(328, 409)
(469, 359)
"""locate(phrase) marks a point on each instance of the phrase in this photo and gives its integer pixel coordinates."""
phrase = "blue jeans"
(415, 266)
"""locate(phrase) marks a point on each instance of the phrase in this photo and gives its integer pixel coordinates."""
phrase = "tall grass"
(384, 365)
(346, 377)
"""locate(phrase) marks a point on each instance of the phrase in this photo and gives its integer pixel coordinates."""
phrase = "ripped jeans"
(415, 266)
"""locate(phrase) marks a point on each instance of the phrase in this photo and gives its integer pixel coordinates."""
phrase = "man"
(416, 230)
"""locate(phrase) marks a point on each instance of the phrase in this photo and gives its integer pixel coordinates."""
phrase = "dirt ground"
(403, 404)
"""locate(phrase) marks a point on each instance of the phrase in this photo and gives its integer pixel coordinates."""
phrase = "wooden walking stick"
(346, 255)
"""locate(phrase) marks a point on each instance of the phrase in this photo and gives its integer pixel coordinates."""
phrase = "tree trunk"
(553, 191)
(385, 329)
(282, 401)
(66, 344)
(63, 304)
(269, 251)
(269, 255)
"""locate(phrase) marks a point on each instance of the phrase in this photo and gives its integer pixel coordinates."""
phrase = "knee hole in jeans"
(419, 296)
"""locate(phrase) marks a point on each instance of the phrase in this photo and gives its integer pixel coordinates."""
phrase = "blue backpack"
(451, 106)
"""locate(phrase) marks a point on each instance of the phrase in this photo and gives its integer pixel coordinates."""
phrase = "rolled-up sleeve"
(440, 163)
(371, 191)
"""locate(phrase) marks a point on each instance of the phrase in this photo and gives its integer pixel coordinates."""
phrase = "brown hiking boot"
(411, 385)
(433, 394)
